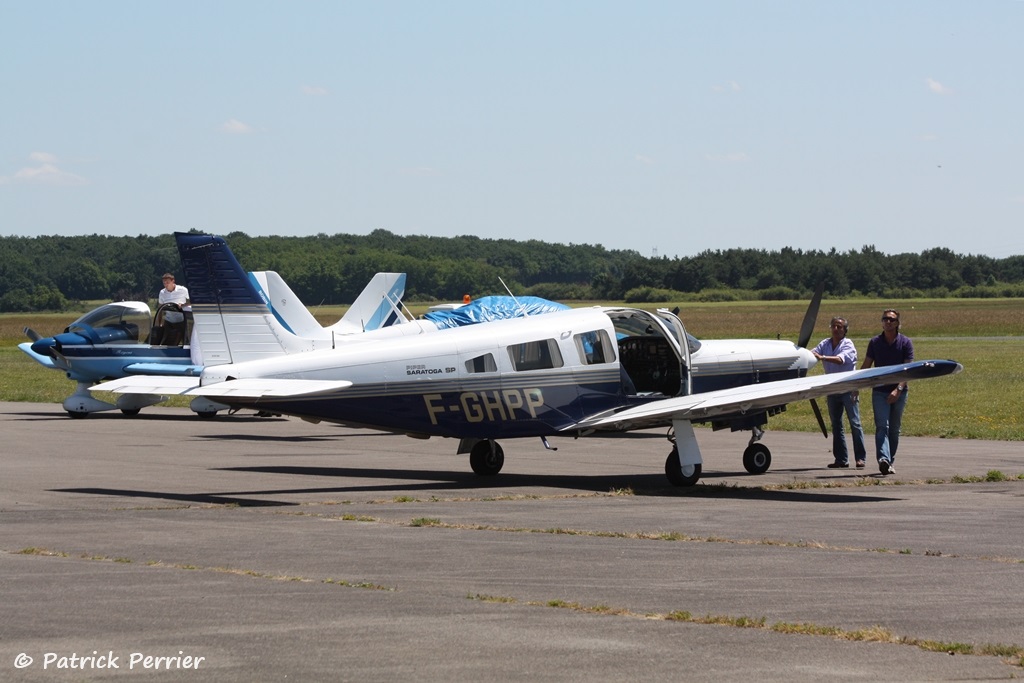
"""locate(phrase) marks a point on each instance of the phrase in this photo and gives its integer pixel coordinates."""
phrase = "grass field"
(985, 401)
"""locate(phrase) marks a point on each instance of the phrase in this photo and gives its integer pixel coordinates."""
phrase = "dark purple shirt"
(900, 351)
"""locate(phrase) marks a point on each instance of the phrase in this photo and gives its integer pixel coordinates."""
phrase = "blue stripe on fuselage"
(479, 412)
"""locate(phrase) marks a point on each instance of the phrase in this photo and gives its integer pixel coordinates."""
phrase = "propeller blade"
(807, 329)
(32, 334)
(821, 420)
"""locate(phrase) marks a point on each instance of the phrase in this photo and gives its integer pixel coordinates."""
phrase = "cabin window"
(484, 363)
(594, 347)
(535, 355)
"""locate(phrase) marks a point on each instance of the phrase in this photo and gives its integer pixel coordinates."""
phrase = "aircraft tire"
(130, 412)
(77, 415)
(675, 474)
(207, 414)
(757, 458)
(485, 460)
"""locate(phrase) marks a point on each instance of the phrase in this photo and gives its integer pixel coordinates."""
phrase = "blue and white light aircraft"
(579, 372)
(113, 340)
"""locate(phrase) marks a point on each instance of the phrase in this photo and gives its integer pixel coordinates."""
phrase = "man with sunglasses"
(891, 347)
(838, 354)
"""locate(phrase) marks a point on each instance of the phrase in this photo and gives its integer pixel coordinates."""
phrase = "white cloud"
(644, 159)
(938, 88)
(42, 158)
(44, 171)
(731, 86)
(236, 127)
(730, 158)
(315, 90)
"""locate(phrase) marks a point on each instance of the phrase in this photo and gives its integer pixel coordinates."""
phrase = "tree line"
(48, 272)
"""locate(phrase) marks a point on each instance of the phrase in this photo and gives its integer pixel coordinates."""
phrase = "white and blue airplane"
(113, 340)
(579, 372)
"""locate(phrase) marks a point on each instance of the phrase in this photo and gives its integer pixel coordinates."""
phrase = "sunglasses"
(888, 319)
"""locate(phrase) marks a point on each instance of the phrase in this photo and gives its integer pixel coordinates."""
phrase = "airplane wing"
(754, 397)
(236, 388)
(148, 384)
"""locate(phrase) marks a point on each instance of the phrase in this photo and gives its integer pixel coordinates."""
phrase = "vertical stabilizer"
(232, 318)
(376, 306)
(286, 305)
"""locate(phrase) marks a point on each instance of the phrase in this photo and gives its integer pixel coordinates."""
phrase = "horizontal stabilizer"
(269, 388)
(164, 369)
(236, 388)
(147, 384)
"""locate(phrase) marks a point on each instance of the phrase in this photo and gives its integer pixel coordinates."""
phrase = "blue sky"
(664, 127)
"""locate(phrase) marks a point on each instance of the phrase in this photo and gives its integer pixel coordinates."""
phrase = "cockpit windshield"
(130, 317)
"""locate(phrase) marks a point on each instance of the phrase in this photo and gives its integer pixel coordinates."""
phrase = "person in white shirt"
(838, 354)
(174, 326)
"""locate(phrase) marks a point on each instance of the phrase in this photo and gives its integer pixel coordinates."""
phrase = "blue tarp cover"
(491, 308)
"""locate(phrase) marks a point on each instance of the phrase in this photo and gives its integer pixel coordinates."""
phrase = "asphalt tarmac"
(258, 549)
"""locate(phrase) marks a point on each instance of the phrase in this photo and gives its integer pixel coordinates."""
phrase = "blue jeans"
(850, 404)
(888, 418)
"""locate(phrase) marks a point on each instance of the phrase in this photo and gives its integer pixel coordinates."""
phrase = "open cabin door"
(686, 345)
(652, 351)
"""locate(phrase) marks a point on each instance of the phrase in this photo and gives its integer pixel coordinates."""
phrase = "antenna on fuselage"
(518, 303)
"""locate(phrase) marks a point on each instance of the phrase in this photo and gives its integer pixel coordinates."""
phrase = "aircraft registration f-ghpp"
(578, 372)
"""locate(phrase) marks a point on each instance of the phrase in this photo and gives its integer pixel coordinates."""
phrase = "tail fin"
(232, 318)
(376, 306)
(285, 305)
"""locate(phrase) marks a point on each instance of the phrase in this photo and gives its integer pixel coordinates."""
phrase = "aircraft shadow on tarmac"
(313, 438)
(433, 480)
(195, 498)
(157, 415)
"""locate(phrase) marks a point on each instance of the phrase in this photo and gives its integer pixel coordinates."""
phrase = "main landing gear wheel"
(77, 415)
(757, 458)
(486, 458)
(130, 412)
(676, 475)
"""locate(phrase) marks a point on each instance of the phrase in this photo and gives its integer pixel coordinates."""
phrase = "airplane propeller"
(806, 330)
(811, 316)
(46, 349)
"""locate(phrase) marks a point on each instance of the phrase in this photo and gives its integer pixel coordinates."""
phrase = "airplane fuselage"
(91, 363)
(529, 377)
